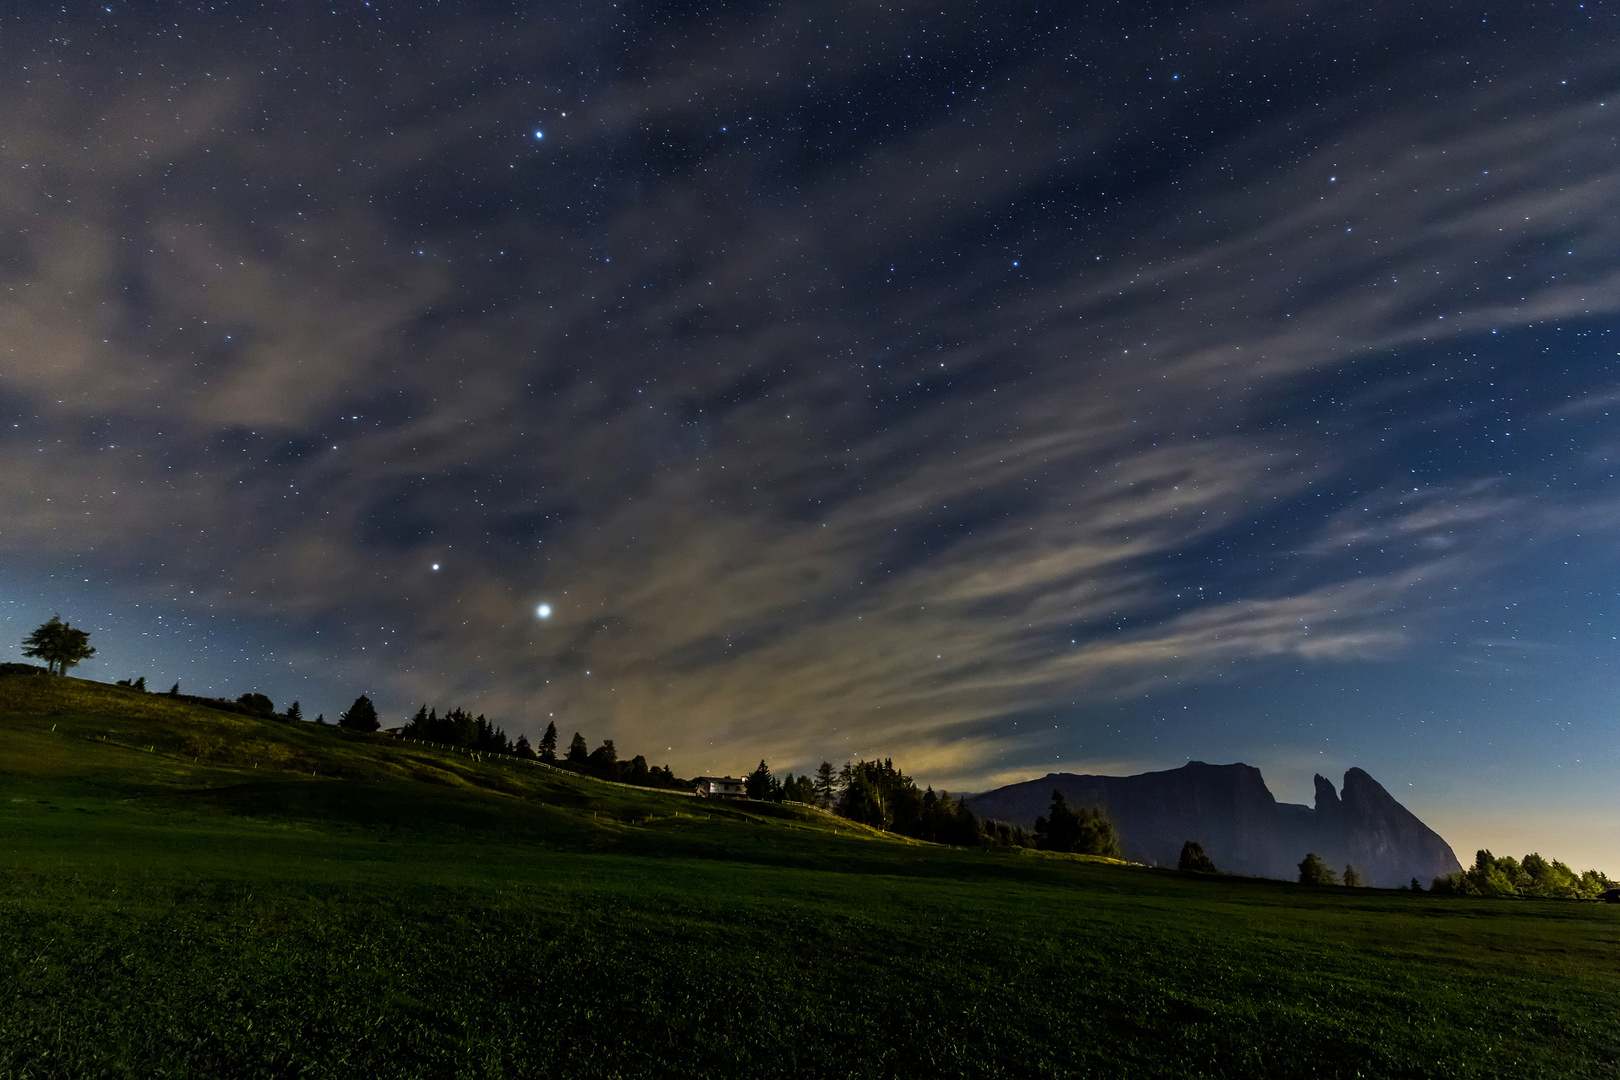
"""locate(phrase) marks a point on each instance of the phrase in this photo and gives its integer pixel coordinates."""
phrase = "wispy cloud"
(783, 498)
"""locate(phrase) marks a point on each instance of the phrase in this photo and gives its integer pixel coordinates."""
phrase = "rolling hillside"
(149, 752)
(192, 893)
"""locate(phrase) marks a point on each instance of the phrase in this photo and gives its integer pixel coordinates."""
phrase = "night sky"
(1000, 388)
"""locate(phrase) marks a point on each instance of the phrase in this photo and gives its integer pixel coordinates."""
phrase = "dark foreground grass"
(163, 917)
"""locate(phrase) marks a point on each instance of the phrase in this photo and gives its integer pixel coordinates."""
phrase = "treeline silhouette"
(879, 794)
(249, 704)
(1532, 876)
(460, 728)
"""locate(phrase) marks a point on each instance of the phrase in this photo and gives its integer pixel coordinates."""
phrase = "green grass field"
(185, 892)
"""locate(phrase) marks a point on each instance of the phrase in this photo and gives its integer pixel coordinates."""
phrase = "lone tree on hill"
(295, 712)
(59, 645)
(1313, 871)
(362, 715)
(548, 745)
(1352, 877)
(1194, 859)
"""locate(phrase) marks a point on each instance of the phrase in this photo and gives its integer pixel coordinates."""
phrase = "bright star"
(435, 566)
(544, 611)
(539, 134)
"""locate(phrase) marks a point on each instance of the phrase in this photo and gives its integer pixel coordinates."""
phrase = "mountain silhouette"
(1229, 810)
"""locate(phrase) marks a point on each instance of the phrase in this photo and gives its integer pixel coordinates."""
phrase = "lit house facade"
(718, 786)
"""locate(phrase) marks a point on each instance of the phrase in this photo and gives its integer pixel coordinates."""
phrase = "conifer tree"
(1086, 831)
(548, 744)
(826, 785)
(295, 712)
(758, 783)
(1060, 829)
(362, 715)
(578, 752)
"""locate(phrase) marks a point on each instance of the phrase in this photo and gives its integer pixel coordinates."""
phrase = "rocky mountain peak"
(1229, 811)
(1327, 800)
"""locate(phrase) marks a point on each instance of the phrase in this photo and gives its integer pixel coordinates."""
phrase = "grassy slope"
(189, 892)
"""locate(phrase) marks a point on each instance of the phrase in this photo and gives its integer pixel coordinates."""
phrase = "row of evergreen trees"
(604, 763)
(458, 727)
(879, 794)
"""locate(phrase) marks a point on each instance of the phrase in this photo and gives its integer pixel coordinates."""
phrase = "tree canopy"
(1313, 871)
(362, 715)
(259, 703)
(1532, 876)
(60, 645)
(759, 783)
(877, 793)
(1086, 831)
(458, 727)
(1194, 859)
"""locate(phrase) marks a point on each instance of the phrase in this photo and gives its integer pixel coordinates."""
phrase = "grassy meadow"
(186, 892)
